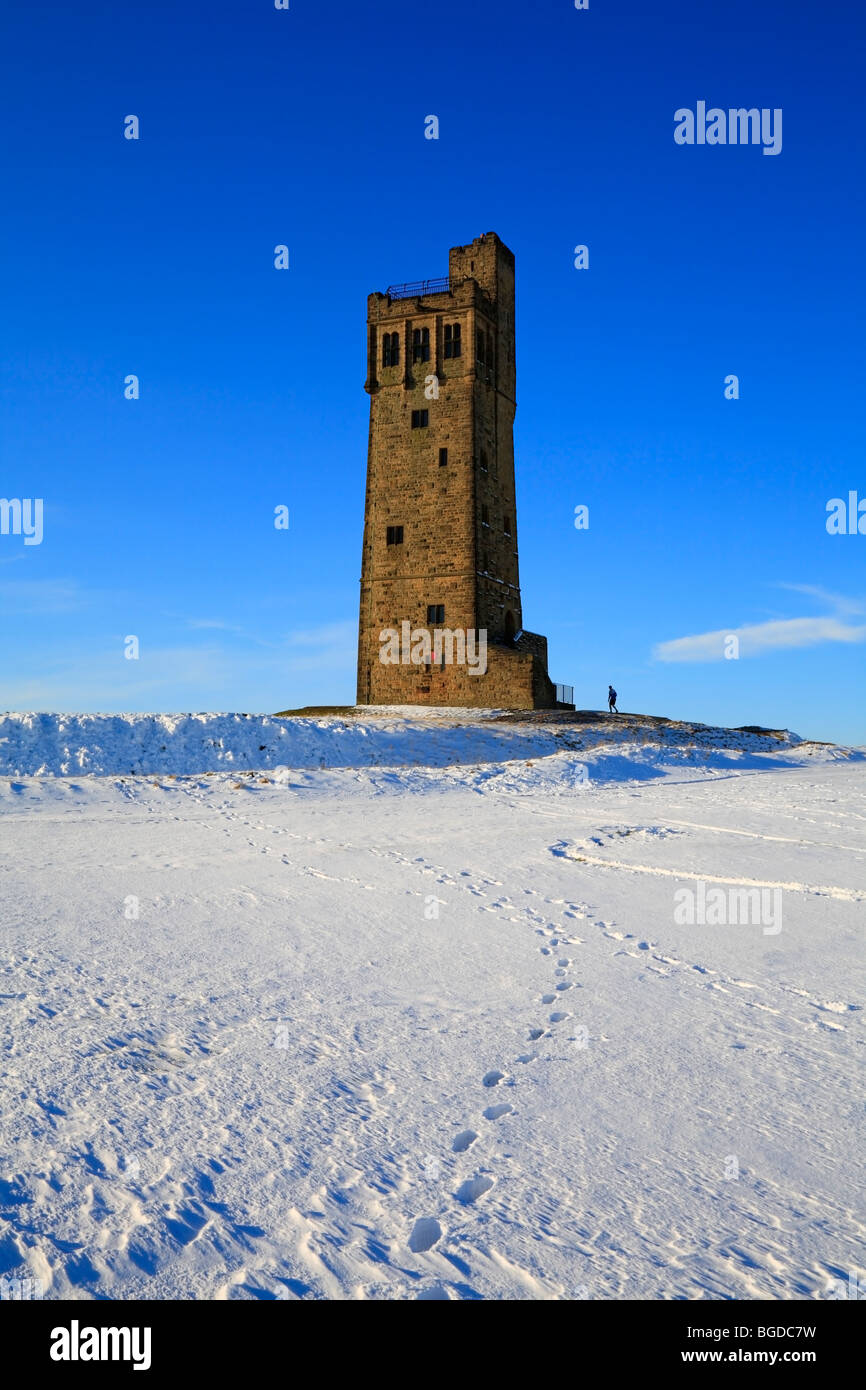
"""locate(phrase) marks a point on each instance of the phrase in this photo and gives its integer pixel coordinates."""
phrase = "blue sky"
(306, 127)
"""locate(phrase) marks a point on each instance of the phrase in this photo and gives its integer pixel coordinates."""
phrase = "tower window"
(391, 350)
(506, 524)
(453, 347)
(479, 349)
(394, 535)
(420, 419)
(490, 358)
(483, 461)
(421, 345)
(436, 613)
(485, 515)
(443, 458)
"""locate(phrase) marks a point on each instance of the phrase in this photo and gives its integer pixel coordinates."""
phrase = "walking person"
(611, 700)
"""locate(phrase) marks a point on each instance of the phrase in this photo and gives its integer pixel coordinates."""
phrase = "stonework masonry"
(440, 524)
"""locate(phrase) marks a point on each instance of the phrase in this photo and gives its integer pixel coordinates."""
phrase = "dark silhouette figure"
(611, 700)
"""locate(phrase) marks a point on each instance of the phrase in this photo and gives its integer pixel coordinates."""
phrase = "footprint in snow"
(464, 1140)
(425, 1234)
(495, 1112)
(473, 1188)
(493, 1078)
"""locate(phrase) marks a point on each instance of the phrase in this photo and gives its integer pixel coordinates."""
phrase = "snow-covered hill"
(426, 1021)
(33, 745)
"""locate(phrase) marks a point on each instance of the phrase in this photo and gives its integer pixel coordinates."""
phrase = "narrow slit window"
(391, 350)
(443, 458)
(421, 345)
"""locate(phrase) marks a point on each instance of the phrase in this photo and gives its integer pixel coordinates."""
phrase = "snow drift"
(62, 745)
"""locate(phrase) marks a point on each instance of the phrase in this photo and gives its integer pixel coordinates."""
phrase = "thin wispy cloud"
(328, 635)
(216, 624)
(337, 637)
(839, 603)
(41, 596)
(174, 676)
(758, 638)
(231, 630)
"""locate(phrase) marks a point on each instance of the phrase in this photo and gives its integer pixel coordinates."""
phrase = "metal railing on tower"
(419, 287)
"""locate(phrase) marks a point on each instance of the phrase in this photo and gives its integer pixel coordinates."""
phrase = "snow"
(242, 1058)
(61, 745)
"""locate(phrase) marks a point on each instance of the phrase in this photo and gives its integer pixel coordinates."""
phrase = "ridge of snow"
(62, 745)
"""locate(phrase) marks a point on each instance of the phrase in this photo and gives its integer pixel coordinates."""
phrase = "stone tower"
(440, 523)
